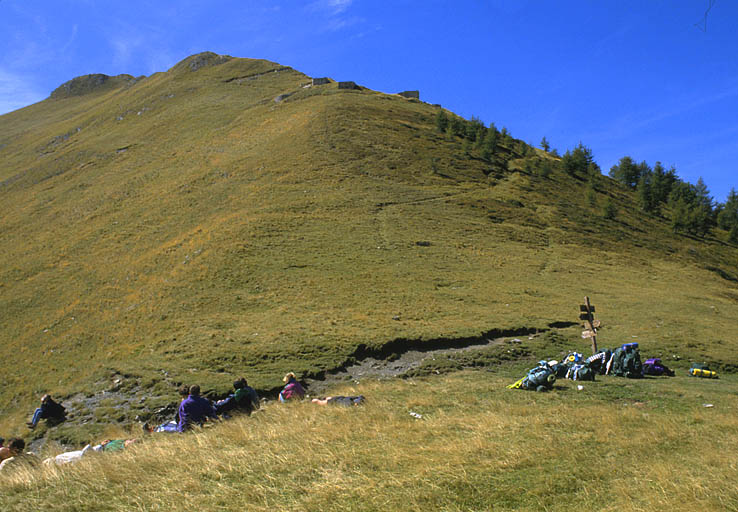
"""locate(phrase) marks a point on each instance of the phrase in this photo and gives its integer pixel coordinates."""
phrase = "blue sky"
(652, 79)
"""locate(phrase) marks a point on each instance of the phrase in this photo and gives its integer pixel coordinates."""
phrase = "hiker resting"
(171, 425)
(13, 449)
(293, 389)
(244, 398)
(343, 401)
(49, 410)
(194, 409)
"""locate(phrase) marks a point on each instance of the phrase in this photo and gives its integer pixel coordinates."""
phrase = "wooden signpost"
(590, 324)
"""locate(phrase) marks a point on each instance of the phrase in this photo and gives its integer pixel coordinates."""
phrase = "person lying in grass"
(343, 401)
(292, 389)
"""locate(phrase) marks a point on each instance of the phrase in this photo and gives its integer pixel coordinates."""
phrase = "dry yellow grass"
(478, 447)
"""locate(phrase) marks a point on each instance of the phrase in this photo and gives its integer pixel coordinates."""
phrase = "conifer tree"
(579, 161)
(545, 145)
(691, 208)
(441, 121)
(489, 146)
(662, 182)
(645, 192)
(466, 146)
(609, 210)
(626, 172)
(679, 214)
(544, 169)
(473, 128)
(728, 216)
(591, 194)
(593, 169)
(733, 234)
(457, 126)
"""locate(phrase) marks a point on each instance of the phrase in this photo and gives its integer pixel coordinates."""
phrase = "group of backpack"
(624, 361)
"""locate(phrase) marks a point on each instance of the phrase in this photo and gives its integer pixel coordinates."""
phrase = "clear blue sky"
(638, 78)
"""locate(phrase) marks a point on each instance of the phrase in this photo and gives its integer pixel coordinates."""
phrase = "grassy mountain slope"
(187, 227)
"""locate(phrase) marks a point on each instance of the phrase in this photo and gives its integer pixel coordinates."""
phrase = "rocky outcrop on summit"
(86, 84)
(201, 60)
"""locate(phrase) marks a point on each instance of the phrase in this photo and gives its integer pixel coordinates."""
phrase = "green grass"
(218, 233)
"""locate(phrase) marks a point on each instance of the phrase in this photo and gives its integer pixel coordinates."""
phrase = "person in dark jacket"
(194, 409)
(49, 410)
(244, 398)
(172, 425)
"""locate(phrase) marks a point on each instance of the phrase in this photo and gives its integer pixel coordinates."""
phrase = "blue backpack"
(540, 378)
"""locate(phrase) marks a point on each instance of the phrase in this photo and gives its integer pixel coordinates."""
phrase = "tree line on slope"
(492, 145)
(691, 208)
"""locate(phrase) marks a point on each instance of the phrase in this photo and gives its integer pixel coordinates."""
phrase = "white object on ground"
(6, 462)
(416, 415)
(580, 387)
(67, 457)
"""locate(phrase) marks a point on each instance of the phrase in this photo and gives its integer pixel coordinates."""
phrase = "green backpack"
(626, 362)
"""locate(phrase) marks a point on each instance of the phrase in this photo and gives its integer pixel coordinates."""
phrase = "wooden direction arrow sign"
(587, 314)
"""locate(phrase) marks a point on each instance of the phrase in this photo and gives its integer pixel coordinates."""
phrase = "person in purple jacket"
(194, 409)
(293, 389)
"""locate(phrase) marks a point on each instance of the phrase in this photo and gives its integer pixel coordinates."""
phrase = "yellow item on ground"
(706, 374)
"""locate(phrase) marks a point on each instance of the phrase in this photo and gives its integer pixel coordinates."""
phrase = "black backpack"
(598, 362)
(580, 372)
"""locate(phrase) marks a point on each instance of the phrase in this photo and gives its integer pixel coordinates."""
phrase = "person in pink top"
(292, 389)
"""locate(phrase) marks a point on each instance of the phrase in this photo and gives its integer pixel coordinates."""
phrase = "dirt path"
(372, 368)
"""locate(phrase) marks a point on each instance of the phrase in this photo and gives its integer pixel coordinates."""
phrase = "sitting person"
(194, 409)
(293, 389)
(172, 425)
(244, 398)
(49, 410)
(344, 401)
